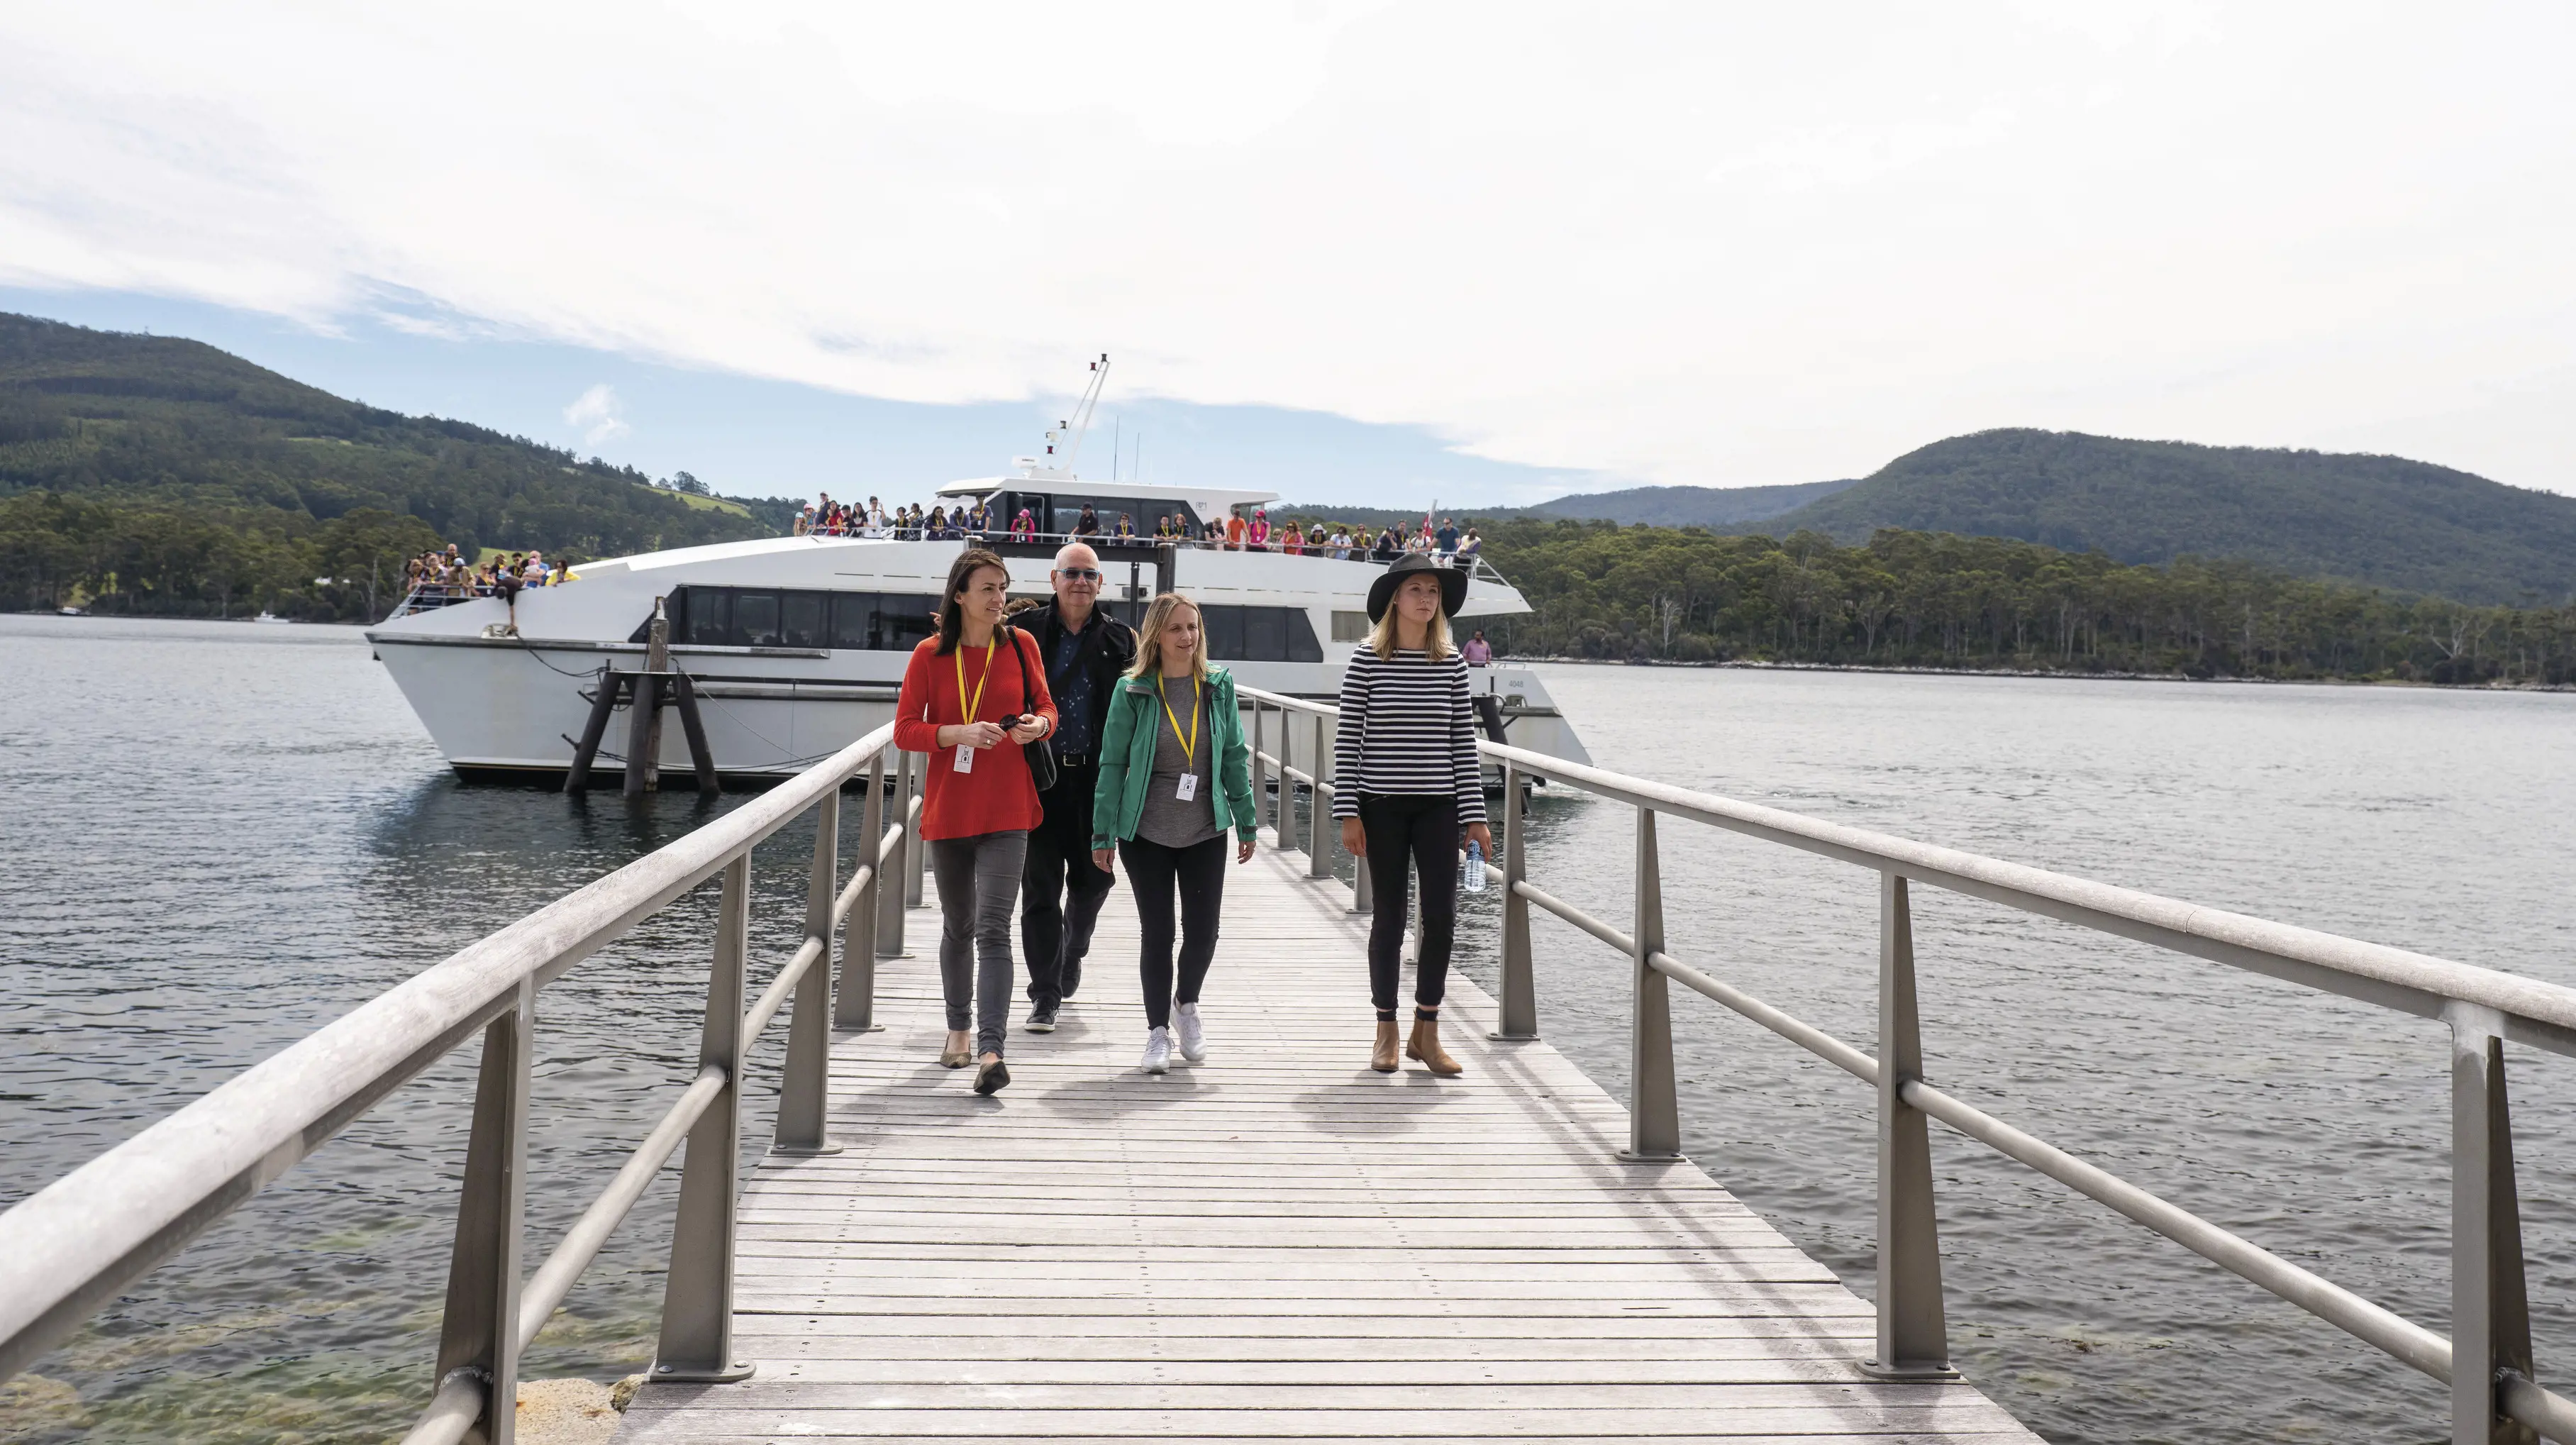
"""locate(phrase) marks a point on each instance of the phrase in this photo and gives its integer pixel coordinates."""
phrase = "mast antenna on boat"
(1064, 444)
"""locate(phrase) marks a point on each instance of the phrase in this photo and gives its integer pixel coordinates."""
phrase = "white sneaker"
(1158, 1052)
(1185, 1018)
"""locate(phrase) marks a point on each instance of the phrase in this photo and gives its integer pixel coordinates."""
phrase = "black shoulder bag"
(1039, 755)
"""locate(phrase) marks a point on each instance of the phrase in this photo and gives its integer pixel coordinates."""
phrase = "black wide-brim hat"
(1453, 585)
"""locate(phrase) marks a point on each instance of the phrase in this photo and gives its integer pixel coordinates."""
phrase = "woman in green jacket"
(1175, 777)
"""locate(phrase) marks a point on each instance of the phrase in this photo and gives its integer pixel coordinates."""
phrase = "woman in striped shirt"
(1411, 787)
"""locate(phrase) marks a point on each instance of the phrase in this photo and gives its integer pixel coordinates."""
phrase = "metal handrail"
(2483, 1007)
(72, 1247)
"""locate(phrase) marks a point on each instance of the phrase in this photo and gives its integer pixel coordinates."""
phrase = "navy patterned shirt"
(1072, 688)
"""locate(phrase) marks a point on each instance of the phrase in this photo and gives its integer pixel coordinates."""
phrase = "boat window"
(705, 615)
(755, 619)
(852, 614)
(903, 619)
(1224, 627)
(1350, 627)
(800, 618)
(762, 617)
(1260, 634)
(1140, 513)
(1302, 646)
(1265, 634)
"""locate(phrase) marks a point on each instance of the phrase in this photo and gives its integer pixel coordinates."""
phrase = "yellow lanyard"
(960, 654)
(1190, 748)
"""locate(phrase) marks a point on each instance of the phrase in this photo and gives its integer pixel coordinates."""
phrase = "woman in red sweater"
(969, 690)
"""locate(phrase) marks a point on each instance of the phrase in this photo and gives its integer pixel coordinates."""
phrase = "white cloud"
(595, 412)
(1687, 244)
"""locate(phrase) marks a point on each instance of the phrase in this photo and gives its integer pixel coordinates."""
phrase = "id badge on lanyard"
(1188, 787)
(966, 751)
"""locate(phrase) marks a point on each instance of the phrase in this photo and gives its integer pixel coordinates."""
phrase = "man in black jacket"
(1086, 650)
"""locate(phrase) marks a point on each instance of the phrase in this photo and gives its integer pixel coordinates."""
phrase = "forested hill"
(1711, 507)
(107, 435)
(2380, 521)
(1687, 506)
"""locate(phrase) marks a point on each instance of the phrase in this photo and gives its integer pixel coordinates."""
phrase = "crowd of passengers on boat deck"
(1066, 747)
(503, 575)
(1447, 543)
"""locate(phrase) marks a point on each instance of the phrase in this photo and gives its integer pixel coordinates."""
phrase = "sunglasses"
(1077, 574)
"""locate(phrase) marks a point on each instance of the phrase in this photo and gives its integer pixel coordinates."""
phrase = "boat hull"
(505, 708)
(504, 689)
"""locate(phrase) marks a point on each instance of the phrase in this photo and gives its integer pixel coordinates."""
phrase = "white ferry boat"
(796, 646)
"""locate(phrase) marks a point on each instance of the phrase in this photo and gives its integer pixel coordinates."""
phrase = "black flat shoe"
(990, 1078)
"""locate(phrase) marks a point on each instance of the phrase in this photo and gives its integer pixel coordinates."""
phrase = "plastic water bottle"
(1471, 873)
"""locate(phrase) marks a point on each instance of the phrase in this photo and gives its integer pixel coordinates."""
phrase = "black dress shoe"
(1072, 978)
(1041, 1021)
(992, 1077)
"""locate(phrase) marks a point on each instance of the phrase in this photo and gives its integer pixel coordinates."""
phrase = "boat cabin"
(1056, 502)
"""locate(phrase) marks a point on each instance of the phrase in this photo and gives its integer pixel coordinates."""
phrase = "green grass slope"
(2380, 521)
(162, 422)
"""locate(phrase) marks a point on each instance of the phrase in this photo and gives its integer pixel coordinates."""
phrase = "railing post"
(1287, 784)
(697, 1294)
(1363, 893)
(1654, 1112)
(1260, 795)
(916, 856)
(1520, 989)
(890, 883)
(854, 1003)
(2490, 1309)
(480, 1329)
(1913, 1332)
(1321, 832)
(804, 1095)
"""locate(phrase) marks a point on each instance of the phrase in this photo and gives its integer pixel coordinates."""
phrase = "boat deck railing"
(431, 597)
(1477, 567)
(2487, 1360)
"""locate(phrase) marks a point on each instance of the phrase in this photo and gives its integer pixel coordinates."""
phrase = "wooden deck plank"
(1276, 1243)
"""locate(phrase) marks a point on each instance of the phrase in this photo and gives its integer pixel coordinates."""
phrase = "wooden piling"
(701, 757)
(602, 703)
(643, 756)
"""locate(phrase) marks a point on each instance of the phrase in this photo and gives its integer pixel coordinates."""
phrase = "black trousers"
(1153, 873)
(1421, 829)
(1060, 891)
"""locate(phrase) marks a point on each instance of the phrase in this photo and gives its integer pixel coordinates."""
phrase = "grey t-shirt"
(1167, 820)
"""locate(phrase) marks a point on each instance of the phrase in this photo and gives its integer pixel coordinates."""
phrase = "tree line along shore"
(1601, 591)
(1940, 600)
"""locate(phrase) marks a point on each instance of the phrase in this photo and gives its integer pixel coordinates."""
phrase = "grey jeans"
(979, 883)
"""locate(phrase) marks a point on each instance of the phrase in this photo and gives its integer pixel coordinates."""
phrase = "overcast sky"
(1711, 244)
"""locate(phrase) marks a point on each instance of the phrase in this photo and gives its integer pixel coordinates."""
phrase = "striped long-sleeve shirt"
(1406, 727)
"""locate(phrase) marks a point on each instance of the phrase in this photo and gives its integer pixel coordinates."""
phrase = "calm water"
(217, 837)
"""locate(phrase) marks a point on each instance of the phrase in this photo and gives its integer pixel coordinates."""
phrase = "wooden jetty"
(1276, 1243)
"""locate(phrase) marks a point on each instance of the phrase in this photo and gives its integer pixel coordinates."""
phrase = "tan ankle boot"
(1384, 1059)
(1425, 1045)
